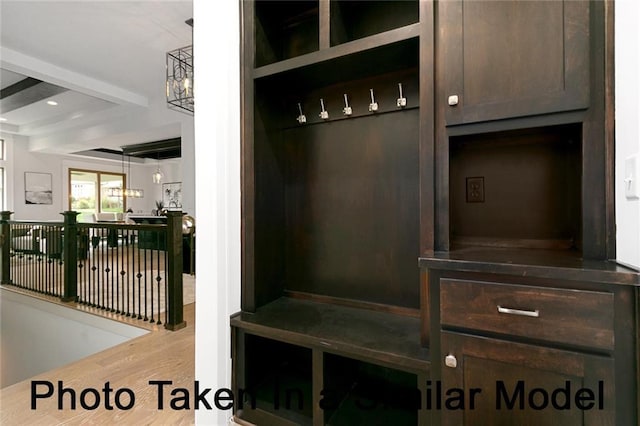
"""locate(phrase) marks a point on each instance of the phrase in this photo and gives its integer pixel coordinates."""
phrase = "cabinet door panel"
(513, 373)
(507, 59)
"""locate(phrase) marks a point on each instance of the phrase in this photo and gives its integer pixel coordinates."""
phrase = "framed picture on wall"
(172, 195)
(37, 188)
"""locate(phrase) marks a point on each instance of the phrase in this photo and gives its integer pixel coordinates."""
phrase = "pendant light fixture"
(179, 82)
(157, 175)
(131, 192)
(127, 192)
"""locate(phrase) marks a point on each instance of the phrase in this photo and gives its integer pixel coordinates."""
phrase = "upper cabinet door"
(504, 59)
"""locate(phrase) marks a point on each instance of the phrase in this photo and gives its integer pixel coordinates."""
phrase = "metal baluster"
(125, 235)
(103, 279)
(139, 253)
(146, 318)
(151, 285)
(139, 276)
(119, 294)
(166, 275)
(114, 296)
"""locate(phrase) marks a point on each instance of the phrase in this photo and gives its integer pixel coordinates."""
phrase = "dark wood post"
(70, 256)
(175, 319)
(5, 236)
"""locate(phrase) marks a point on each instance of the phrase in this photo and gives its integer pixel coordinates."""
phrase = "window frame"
(98, 174)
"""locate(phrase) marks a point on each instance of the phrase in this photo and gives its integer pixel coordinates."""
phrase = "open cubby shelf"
(285, 29)
(288, 34)
(517, 189)
(278, 379)
(358, 393)
(353, 20)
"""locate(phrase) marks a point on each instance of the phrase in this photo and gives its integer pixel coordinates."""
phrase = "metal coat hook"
(323, 113)
(373, 106)
(301, 118)
(402, 101)
(347, 109)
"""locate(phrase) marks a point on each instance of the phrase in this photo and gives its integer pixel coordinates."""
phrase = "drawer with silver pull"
(576, 317)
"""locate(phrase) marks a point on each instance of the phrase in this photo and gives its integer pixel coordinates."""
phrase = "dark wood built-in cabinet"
(519, 324)
(427, 205)
(518, 286)
(512, 59)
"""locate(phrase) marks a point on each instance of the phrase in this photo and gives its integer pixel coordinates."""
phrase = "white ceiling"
(110, 54)
(71, 105)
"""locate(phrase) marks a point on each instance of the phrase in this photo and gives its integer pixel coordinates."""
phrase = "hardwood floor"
(160, 355)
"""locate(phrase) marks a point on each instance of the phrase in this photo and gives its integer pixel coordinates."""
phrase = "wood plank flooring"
(159, 355)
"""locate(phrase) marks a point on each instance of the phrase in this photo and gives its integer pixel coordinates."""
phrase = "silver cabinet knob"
(453, 100)
(450, 361)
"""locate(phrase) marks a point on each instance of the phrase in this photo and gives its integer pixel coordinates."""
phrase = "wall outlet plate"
(475, 190)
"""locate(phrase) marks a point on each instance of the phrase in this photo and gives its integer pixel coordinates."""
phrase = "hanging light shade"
(157, 176)
(180, 79)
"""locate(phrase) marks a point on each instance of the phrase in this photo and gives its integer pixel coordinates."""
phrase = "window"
(89, 192)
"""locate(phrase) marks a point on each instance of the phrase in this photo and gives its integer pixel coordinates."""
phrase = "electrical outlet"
(475, 190)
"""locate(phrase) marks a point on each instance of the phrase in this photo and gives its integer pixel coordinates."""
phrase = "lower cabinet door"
(495, 382)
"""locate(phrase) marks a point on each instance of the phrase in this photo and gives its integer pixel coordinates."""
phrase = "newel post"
(70, 256)
(5, 238)
(175, 319)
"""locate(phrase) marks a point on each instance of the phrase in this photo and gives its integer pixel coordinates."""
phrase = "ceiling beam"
(33, 90)
(18, 86)
(15, 61)
(163, 149)
(9, 128)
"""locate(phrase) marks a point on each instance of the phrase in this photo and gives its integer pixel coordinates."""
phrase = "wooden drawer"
(577, 317)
